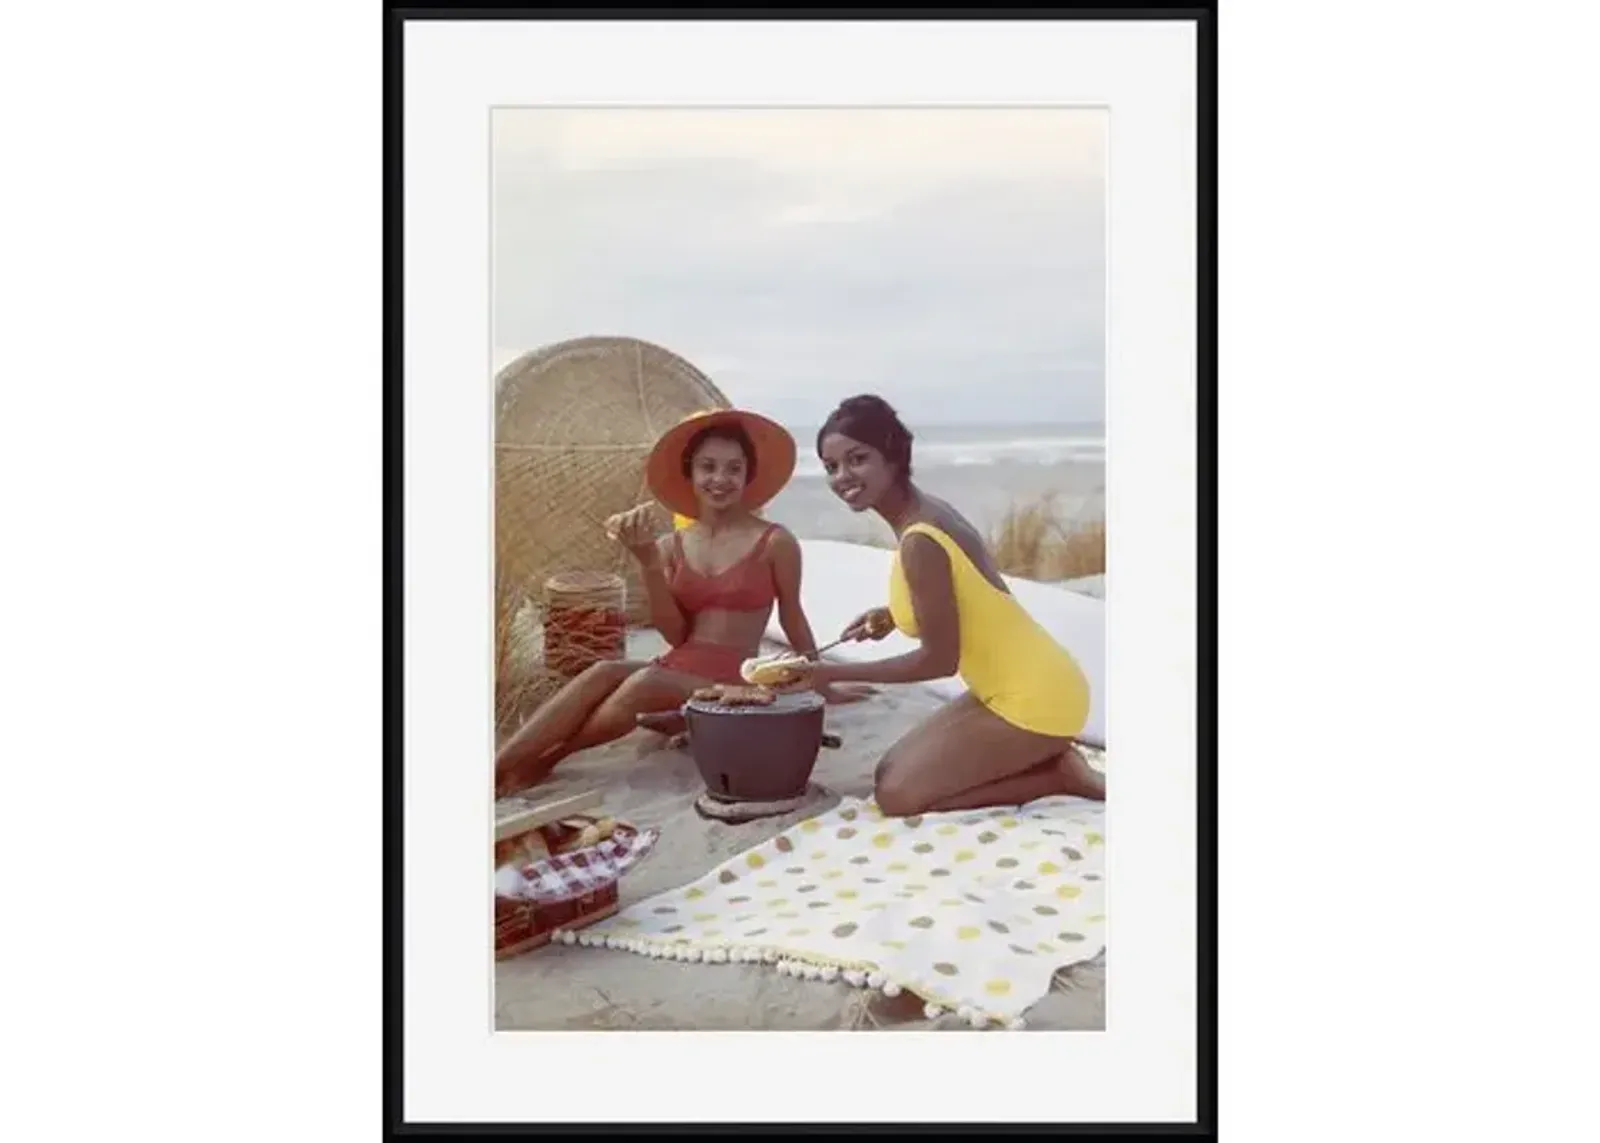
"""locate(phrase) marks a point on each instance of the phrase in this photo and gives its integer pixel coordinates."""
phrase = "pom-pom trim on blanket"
(809, 966)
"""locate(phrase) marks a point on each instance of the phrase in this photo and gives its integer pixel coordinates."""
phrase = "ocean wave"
(1041, 451)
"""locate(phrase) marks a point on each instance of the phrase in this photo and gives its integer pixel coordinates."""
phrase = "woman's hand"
(636, 529)
(872, 624)
(816, 675)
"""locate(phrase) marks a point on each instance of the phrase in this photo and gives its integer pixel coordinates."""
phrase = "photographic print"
(800, 541)
(805, 583)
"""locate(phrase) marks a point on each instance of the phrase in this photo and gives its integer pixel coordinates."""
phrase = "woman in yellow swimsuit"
(1009, 739)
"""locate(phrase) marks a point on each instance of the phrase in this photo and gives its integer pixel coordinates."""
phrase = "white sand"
(571, 987)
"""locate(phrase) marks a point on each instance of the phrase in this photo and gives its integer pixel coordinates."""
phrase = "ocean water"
(982, 470)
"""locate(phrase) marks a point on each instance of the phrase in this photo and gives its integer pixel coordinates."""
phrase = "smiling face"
(858, 473)
(720, 470)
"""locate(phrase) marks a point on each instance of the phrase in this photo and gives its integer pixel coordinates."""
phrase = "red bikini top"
(745, 586)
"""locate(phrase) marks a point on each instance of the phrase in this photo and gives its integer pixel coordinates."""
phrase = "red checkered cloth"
(566, 876)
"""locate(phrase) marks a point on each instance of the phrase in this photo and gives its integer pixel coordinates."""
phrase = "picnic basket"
(572, 883)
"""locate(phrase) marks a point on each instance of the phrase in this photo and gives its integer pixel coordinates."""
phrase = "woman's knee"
(647, 691)
(637, 683)
(612, 672)
(896, 789)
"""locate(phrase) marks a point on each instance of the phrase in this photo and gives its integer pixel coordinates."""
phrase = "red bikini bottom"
(712, 661)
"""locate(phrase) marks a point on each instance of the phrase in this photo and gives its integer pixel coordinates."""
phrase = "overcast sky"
(952, 261)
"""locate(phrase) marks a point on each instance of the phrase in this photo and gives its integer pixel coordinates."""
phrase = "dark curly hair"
(872, 421)
(734, 433)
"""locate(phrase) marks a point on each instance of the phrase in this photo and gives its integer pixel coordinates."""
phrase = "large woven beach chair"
(574, 422)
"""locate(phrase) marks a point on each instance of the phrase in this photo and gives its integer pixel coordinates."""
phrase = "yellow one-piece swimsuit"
(1009, 662)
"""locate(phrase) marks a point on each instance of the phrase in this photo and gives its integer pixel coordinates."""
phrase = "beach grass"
(509, 679)
(521, 680)
(1034, 541)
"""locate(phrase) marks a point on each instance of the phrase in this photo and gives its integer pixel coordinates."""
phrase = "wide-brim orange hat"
(775, 459)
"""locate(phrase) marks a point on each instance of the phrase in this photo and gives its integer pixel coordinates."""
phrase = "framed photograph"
(800, 572)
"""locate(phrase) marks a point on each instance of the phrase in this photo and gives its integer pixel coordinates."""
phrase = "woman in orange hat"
(712, 586)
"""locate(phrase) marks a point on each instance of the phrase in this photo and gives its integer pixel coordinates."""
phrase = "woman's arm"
(786, 572)
(933, 599)
(665, 614)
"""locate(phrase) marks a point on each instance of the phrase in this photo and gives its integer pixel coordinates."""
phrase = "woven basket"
(574, 423)
(584, 621)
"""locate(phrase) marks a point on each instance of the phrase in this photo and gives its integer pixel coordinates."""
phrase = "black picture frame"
(395, 1125)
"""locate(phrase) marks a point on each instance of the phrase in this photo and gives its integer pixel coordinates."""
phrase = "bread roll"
(772, 670)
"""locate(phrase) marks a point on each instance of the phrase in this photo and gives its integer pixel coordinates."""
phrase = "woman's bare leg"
(1041, 781)
(649, 691)
(559, 718)
(966, 757)
(1066, 773)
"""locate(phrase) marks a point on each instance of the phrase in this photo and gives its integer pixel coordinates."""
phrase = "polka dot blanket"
(972, 911)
